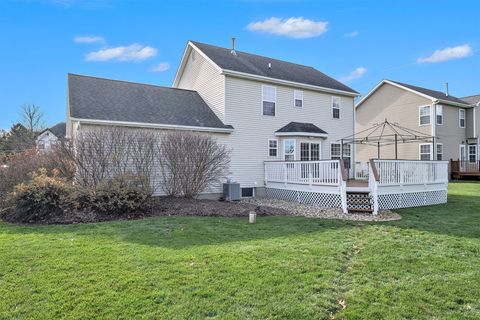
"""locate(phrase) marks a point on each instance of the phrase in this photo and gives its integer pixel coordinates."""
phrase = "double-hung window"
(439, 151)
(424, 115)
(269, 100)
(472, 153)
(298, 98)
(289, 150)
(439, 111)
(336, 105)
(461, 118)
(425, 151)
(272, 148)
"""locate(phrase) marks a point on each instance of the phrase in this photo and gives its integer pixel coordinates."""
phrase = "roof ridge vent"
(233, 52)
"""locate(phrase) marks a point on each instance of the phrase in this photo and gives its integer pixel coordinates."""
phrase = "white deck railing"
(325, 172)
(361, 170)
(405, 172)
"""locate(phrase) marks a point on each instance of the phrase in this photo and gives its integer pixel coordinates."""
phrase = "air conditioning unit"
(231, 191)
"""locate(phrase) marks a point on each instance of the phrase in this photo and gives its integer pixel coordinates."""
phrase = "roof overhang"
(433, 99)
(151, 125)
(301, 134)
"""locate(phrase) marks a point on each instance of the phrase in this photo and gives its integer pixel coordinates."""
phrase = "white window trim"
(420, 116)
(294, 98)
(339, 108)
(268, 148)
(294, 149)
(469, 154)
(460, 118)
(420, 150)
(460, 147)
(320, 146)
(261, 102)
(438, 107)
(436, 151)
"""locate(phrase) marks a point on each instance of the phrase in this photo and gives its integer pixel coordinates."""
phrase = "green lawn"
(425, 266)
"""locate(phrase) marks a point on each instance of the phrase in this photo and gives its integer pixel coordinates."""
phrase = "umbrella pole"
(396, 147)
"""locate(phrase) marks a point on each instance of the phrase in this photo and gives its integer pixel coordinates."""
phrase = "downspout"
(434, 124)
(475, 119)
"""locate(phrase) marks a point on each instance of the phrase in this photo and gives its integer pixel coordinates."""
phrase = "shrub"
(40, 199)
(121, 195)
(191, 162)
(18, 167)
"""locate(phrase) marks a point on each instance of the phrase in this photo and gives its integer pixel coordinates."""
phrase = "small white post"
(252, 217)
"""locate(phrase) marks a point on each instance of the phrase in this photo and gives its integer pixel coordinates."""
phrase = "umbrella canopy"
(385, 134)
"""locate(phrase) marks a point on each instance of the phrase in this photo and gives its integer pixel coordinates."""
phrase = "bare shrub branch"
(191, 163)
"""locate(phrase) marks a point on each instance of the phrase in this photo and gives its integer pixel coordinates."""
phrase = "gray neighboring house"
(49, 137)
(263, 109)
(453, 121)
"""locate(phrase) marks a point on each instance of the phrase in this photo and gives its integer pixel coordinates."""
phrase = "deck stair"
(359, 201)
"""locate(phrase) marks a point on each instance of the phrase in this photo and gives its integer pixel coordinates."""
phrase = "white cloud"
(449, 53)
(294, 27)
(355, 74)
(89, 39)
(134, 52)
(161, 67)
(352, 34)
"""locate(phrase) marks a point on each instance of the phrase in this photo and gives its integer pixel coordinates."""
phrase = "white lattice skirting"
(325, 200)
(412, 199)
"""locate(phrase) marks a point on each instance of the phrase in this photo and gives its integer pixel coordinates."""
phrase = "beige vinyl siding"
(396, 105)
(450, 133)
(156, 178)
(202, 76)
(252, 130)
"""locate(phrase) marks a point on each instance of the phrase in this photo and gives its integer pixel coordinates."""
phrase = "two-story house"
(263, 109)
(50, 137)
(451, 122)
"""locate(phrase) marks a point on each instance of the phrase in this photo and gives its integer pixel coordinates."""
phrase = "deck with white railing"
(391, 183)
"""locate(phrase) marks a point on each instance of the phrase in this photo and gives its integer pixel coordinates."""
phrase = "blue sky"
(425, 43)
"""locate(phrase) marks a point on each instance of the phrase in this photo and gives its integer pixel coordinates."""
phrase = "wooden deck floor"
(357, 184)
(461, 174)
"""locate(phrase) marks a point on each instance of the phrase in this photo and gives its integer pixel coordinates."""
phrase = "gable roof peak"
(265, 68)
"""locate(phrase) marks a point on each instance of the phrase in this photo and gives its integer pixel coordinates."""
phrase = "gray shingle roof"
(59, 130)
(472, 99)
(113, 100)
(258, 65)
(301, 127)
(432, 93)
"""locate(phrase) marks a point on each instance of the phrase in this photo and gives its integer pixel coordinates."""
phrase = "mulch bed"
(165, 206)
(161, 206)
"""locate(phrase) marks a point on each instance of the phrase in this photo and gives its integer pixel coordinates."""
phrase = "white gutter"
(151, 125)
(286, 82)
(301, 134)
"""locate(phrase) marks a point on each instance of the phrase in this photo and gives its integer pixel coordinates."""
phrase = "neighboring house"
(452, 121)
(263, 109)
(49, 137)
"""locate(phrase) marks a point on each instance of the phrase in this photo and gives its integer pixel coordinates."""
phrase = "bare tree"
(31, 117)
(191, 162)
